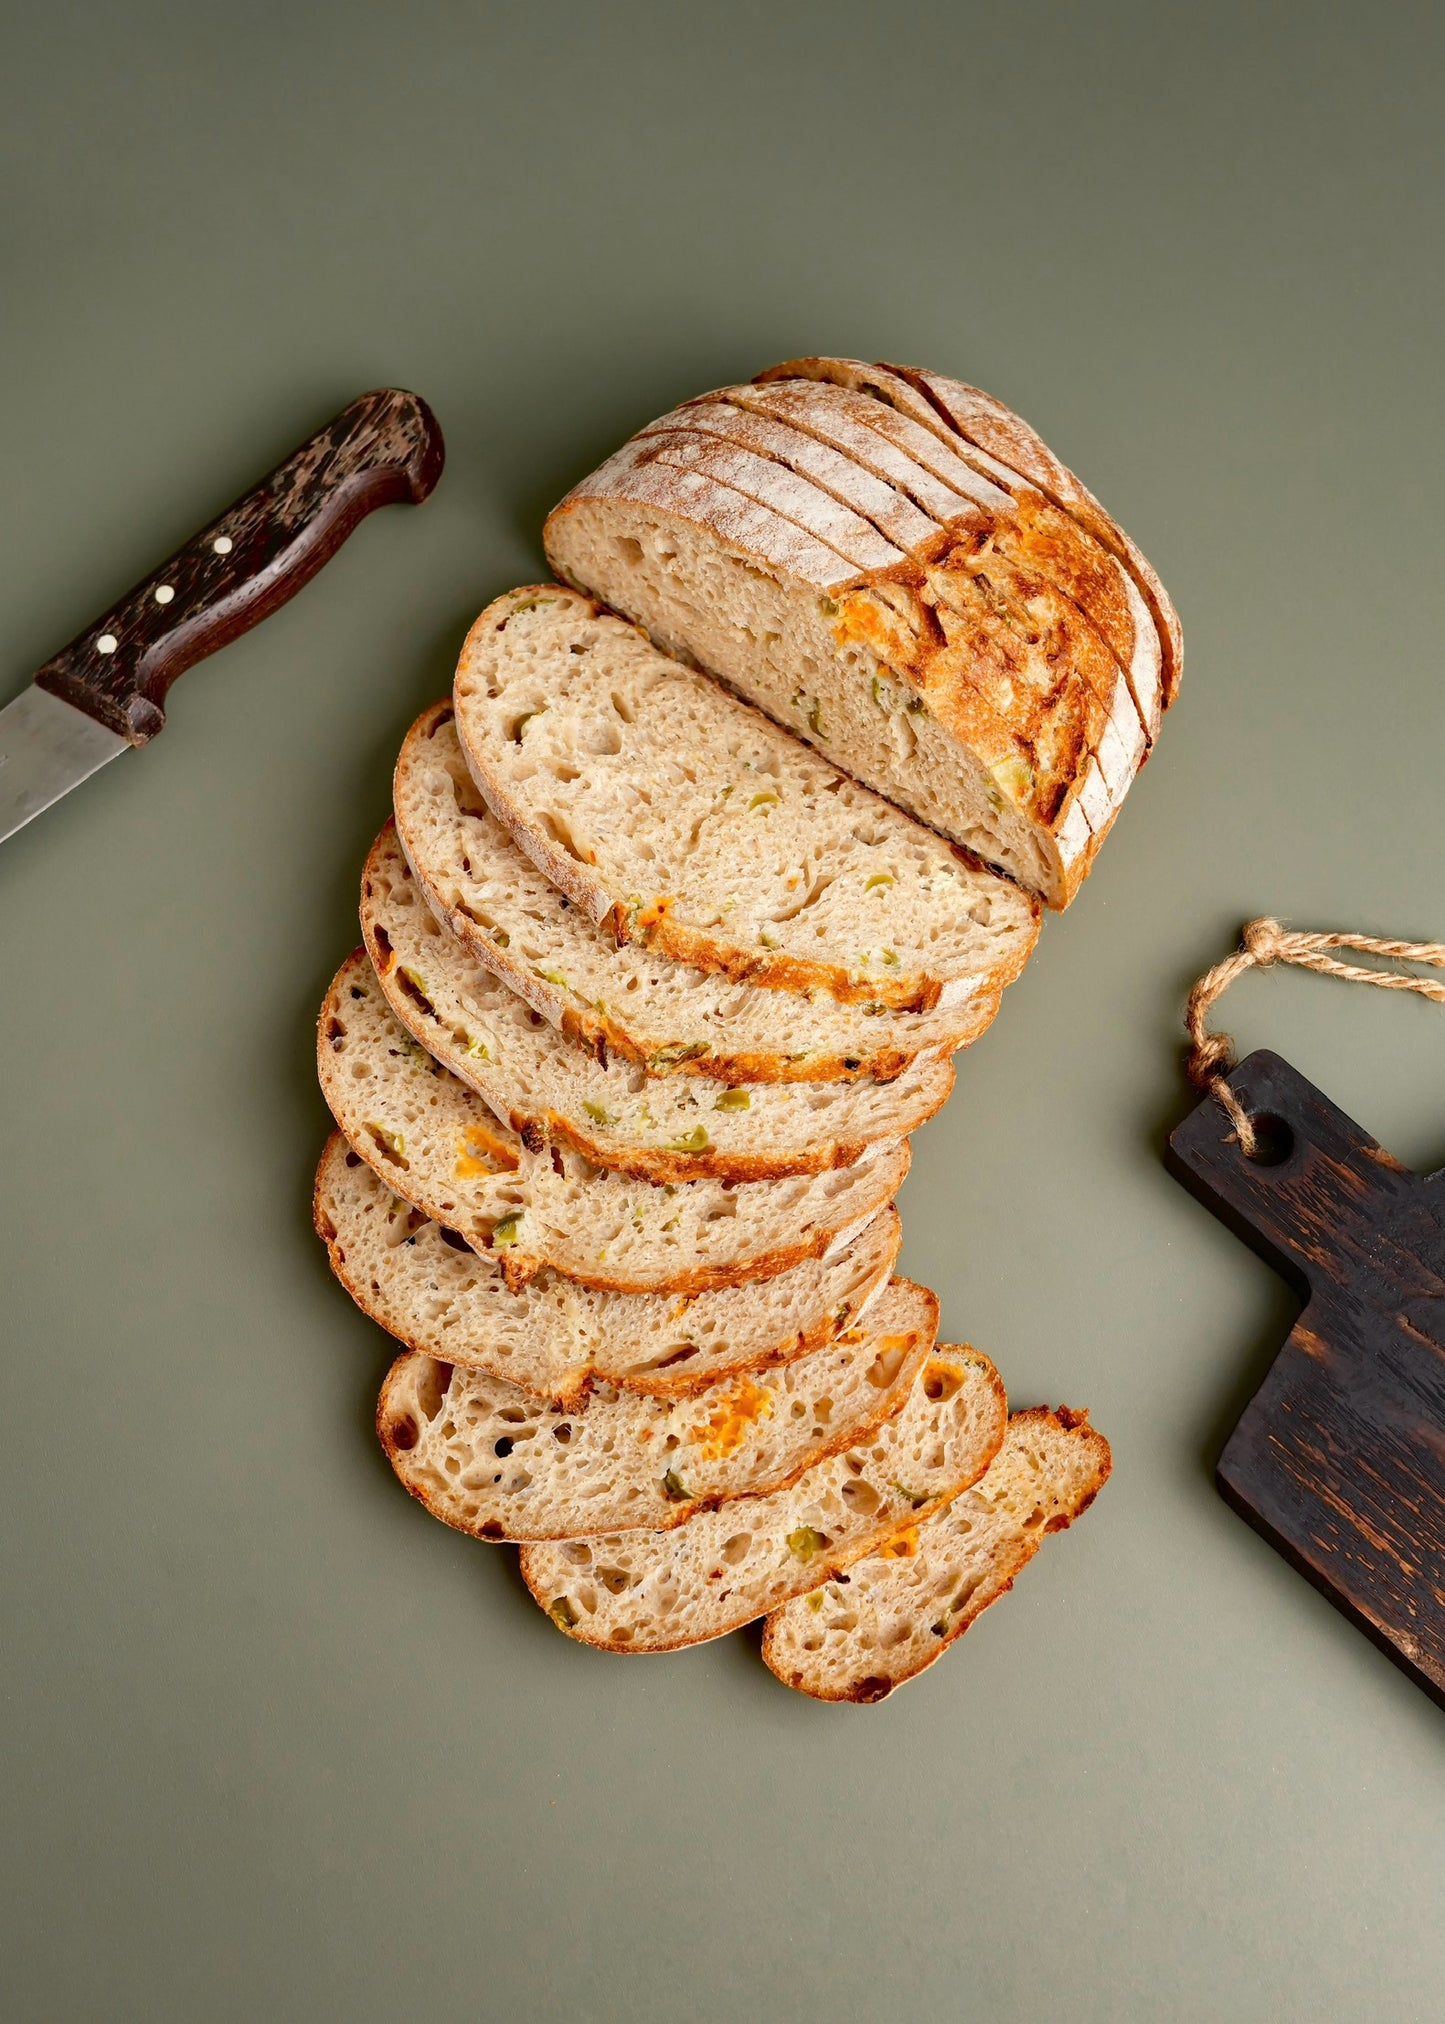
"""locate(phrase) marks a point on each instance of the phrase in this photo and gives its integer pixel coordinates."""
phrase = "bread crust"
(1004, 446)
(983, 420)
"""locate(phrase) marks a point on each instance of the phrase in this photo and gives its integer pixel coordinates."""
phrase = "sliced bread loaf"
(979, 642)
(894, 1613)
(436, 1144)
(678, 816)
(551, 1092)
(655, 1591)
(555, 1338)
(495, 1461)
(631, 1002)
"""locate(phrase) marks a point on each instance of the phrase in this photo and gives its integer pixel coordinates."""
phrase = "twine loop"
(1263, 944)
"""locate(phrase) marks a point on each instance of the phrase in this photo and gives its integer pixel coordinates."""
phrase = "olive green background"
(276, 1745)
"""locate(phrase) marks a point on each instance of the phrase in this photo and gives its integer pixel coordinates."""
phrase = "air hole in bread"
(433, 1387)
(503, 1447)
(563, 1433)
(885, 1366)
(736, 1549)
(405, 1433)
(941, 1381)
(629, 549)
(561, 834)
(860, 1497)
(682, 1355)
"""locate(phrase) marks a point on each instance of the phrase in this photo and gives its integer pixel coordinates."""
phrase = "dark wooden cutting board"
(1339, 1458)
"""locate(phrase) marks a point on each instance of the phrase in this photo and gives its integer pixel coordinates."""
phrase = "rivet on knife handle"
(385, 448)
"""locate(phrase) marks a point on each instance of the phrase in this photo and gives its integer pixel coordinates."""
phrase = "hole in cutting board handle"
(1273, 1140)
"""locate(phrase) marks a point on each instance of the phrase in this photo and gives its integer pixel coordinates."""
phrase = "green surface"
(276, 1744)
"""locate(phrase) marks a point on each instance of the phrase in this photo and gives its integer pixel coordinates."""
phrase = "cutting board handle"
(1314, 1193)
(384, 448)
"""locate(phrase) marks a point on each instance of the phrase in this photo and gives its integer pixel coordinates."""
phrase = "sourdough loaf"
(895, 566)
(556, 1338)
(495, 1461)
(655, 1591)
(551, 1092)
(895, 1612)
(630, 1002)
(676, 815)
(437, 1145)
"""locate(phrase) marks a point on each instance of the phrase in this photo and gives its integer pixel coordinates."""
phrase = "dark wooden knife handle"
(385, 448)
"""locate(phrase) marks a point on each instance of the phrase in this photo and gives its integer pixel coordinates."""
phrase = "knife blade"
(106, 691)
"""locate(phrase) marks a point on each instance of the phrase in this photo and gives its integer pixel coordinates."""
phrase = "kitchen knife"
(106, 691)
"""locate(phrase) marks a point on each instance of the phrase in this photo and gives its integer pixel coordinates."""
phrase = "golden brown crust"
(1056, 525)
(1034, 531)
(1000, 662)
(980, 418)
(656, 927)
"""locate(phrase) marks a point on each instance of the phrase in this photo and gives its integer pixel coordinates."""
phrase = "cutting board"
(1339, 1458)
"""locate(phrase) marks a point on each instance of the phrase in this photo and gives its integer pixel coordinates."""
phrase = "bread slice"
(551, 1092)
(437, 1145)
(630, 1003)
(978, 644)
(497, 1462)
(655, 1591)
(892, 1614)
(555, 1338)
(675, 815)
